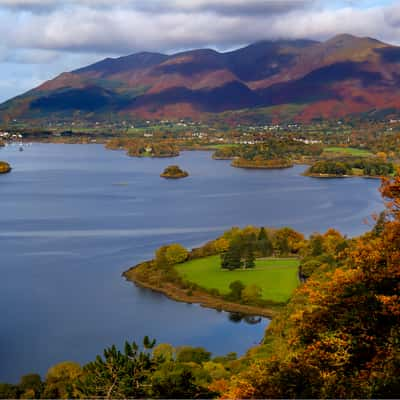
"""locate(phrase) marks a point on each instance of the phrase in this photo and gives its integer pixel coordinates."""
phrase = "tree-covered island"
(174, 172)
(4, 167)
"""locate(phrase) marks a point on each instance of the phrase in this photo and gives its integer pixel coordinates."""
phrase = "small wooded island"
(174, 172)
(4, 167)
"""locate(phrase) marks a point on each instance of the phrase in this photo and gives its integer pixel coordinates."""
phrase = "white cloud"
(58, 35)
(125, 29)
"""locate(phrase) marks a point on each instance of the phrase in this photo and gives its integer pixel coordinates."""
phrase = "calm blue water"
(68, 229)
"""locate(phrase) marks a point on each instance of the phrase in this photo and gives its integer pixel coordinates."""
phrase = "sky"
(43, 38)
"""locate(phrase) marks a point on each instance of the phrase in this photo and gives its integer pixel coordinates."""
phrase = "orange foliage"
(342, 332)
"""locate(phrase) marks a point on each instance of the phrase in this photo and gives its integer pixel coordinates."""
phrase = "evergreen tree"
(231, 259)
(249, 261)
(317, 245)
(262, 235)
(264, 244)
(119, 374)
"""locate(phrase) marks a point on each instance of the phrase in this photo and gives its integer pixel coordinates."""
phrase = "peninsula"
(251, 271)
(351, 167)
(142, 148)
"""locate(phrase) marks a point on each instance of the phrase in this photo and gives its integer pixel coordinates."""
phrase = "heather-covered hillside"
(344, 75)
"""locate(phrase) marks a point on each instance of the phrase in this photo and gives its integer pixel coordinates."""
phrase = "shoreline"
(333, 176)
(67, 141)
(249, 166)
(200, 297)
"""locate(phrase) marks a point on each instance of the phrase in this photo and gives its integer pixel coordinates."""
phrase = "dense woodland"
(352, 166)
(142, 148)
(272, 153)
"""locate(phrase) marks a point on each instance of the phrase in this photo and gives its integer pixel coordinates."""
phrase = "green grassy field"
(276, 277)
(348, 151)
(221, 146)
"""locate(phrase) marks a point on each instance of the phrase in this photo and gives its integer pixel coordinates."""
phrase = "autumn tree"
(30, 386)
(251, 294)
(164, 351)
(192, 354)
(175, 254)
(61, 380)
(221, 245)
(177, 381)
(169, 255)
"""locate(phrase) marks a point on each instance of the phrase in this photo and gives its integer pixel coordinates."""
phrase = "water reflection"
(248, 319)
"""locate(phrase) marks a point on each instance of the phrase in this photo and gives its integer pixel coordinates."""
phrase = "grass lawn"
(276, 277)
(221, 146)
(348, 151)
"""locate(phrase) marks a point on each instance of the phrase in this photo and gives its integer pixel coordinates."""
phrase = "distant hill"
(344, 75)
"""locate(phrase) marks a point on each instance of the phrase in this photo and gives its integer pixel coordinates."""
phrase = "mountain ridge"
(343, 75)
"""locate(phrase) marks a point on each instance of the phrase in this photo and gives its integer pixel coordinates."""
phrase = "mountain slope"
(341, 76)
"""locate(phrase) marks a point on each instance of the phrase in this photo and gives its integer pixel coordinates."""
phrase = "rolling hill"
(344, 75)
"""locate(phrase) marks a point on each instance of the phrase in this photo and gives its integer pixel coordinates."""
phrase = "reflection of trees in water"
(249, 319)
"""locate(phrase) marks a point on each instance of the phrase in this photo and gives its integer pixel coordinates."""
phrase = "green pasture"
(276, 277)
(348, 151)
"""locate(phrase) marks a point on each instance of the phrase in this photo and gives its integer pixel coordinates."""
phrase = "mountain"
(341, 76)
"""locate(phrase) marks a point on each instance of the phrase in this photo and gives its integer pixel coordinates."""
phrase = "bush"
(197, 355)
(251, 294)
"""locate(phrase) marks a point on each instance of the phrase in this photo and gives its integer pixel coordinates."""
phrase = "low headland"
(4, 167)
(251, 271)
(142, 148)
(262, 164)
(174, 172)
(351, 168)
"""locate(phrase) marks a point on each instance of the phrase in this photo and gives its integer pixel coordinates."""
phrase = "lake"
(74, 217)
